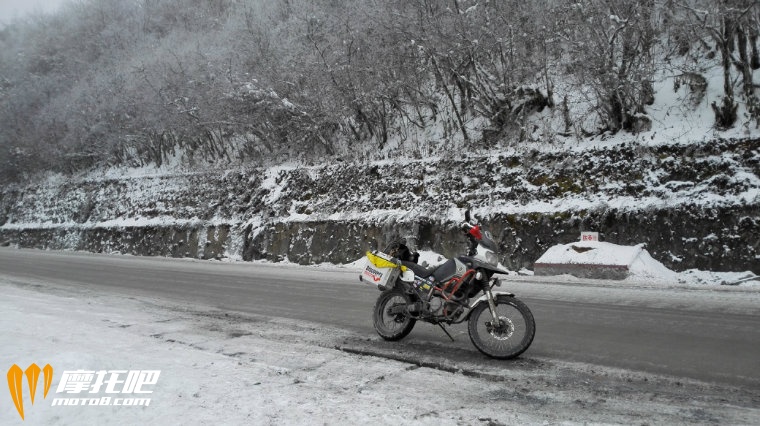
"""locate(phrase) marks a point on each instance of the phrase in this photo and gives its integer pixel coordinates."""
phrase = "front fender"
(483, 298)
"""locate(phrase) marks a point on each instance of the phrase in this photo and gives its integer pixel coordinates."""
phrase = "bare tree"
(731, 26)
(611, 45)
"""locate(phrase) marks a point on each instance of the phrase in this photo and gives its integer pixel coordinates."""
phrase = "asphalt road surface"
(712, 335)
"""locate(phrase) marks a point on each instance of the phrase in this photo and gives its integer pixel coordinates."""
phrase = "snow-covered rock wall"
(695, 205)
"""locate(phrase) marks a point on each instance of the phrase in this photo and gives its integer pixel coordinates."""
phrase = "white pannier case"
(381, 270)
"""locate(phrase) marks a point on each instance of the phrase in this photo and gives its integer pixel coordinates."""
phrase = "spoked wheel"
(506, 338)
(390, 315)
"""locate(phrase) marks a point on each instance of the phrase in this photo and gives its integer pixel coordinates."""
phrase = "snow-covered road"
(245, 369)
(707, 333)
(238, 368)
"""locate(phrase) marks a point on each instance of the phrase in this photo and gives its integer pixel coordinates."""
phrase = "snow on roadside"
(708, 278)
(221, 368)
(644, 269)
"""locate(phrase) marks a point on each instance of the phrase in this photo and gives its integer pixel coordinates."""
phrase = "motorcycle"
(500, 325)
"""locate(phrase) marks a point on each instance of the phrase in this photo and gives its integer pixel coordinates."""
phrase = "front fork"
(491, 305)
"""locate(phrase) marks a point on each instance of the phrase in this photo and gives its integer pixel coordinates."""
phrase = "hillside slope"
(694, 205)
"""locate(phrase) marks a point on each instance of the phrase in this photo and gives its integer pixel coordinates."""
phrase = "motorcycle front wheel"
(506, 338)
(390, 316)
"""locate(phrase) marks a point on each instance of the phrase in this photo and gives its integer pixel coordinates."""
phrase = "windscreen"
(488, 242)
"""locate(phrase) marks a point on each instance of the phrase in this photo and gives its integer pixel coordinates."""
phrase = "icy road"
(602, 353)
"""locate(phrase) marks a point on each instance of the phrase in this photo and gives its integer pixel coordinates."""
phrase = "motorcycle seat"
(419, 270)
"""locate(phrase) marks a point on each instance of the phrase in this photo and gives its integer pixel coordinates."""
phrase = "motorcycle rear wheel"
(508, 338)
(392, 325)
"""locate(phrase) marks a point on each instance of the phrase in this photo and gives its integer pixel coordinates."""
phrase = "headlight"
(491, 258)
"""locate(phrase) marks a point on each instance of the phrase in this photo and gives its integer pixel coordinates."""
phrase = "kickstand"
(446, 331)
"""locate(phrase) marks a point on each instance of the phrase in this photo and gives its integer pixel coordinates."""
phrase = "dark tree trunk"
(754, 61)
